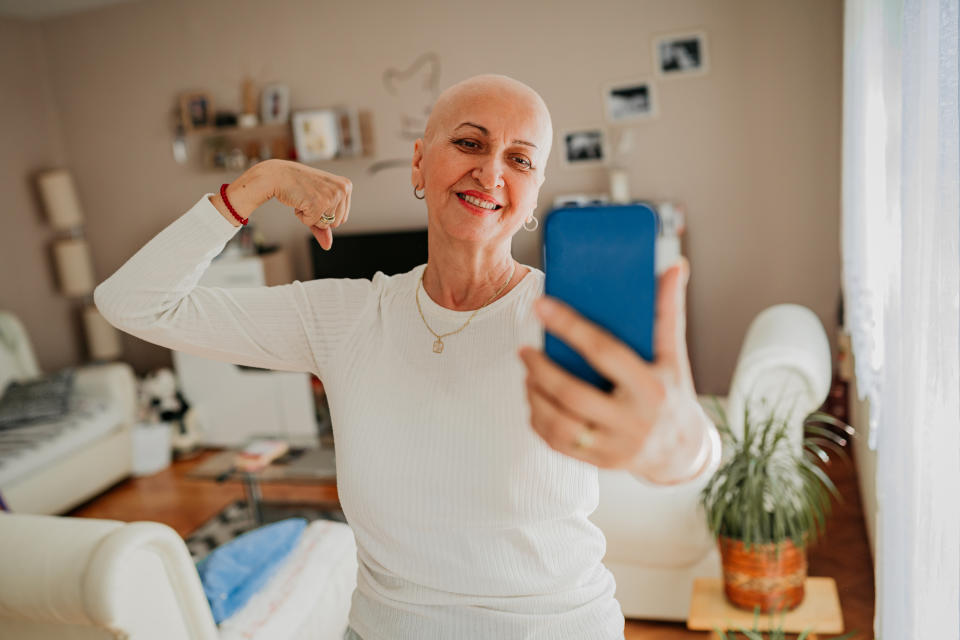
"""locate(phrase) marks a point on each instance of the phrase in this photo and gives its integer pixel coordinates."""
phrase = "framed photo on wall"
(681, 54)
(629, 100)
(316, 134)
(196, 110)
(583, 147)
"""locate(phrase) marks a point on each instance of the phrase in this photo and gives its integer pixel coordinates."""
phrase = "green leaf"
(819, 416)
(825, 433)
(827, 482)
(817, 450)
(824, 443)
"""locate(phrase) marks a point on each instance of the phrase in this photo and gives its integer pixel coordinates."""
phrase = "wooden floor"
(184, 504)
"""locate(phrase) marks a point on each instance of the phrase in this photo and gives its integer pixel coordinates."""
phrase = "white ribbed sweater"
(468, 525)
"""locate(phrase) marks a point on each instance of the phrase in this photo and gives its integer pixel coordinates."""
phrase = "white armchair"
(657, 537)
(49, 467)
(87, 579)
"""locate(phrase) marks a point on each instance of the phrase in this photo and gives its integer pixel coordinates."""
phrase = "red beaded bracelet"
(223, 194)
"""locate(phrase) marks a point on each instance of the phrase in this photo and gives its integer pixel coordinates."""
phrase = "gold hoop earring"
(536, 223)
(419, 197)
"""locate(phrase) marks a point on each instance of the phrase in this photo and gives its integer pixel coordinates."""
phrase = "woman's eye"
(469, 144)
(523, 162)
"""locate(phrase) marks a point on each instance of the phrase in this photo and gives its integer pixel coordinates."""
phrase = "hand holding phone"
(651, 423)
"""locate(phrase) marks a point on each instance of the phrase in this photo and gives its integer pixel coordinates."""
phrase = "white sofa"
(50, 467)
(657, 537)
(87, 579)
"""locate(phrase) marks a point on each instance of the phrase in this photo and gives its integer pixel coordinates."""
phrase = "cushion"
(43, 443)
(233, 572)
(42, 398)
(309, 595)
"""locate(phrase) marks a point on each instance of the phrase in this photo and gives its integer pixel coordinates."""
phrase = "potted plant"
(767, 502)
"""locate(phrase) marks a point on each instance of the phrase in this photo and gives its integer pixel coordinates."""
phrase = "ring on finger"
(327, 219)
(585, 438)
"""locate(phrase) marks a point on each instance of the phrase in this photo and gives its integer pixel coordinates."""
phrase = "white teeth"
(483, 204)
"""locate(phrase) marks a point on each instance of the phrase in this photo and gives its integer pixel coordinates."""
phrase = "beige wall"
(30, 140)
(752, 148)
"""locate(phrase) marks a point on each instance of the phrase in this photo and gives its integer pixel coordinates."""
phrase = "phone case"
(600, 260)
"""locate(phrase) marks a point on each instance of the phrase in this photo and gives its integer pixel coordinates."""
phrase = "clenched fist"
(321, 200)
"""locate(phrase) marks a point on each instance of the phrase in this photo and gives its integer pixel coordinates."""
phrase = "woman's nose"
(489, 173)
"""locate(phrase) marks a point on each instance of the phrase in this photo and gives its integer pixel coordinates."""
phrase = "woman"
(469, 523)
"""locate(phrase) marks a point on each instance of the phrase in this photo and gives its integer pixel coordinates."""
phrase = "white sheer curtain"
(901, 231)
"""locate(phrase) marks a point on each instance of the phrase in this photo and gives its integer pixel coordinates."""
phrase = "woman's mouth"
(477, 205)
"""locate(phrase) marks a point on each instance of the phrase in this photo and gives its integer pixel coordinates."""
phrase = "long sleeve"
(155, 296)
(683, 448)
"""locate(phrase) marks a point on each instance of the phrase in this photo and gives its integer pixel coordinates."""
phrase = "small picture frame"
(629, 100)
(348, 120)
(275, 104)
(583, 147)
(196, 110)
(316, 134)
(681, 54)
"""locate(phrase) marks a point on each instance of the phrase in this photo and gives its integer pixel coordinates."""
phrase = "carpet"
(236, 519)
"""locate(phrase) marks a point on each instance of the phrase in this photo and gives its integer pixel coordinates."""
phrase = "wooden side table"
(819, 611)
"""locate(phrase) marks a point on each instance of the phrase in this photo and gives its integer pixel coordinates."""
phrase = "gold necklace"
(438, 343)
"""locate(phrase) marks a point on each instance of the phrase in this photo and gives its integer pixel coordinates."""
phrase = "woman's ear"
(416, 176)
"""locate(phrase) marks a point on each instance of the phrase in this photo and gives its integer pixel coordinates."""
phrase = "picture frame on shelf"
(316, 134)
(630, 100)
(681, 54)
(275, 104)
(356, 132)
(196, 110)
(249, 118)
(348, 122)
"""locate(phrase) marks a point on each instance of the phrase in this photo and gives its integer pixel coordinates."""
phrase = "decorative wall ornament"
(416, 89)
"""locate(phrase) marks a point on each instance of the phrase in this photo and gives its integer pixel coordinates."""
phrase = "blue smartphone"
(600, 260)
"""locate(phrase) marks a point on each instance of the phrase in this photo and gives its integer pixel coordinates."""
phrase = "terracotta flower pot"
(762, 577)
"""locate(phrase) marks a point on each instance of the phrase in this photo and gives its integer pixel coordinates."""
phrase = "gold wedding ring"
(585, 439)
(327, 219)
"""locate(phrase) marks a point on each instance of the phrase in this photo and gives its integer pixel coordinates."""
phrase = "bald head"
(514, 102)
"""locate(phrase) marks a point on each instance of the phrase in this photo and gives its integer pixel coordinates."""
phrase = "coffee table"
(302, 464)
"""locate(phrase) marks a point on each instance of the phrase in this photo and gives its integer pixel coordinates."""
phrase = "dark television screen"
(360, 255)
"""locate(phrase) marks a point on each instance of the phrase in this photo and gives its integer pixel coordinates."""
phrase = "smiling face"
(482, 159)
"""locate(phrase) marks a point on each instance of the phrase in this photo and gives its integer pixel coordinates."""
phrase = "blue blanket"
(233, 572)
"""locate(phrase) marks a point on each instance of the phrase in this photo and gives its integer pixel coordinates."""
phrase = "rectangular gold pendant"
(438, 346)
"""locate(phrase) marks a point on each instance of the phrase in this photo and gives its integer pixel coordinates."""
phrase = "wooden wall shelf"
(234, 130)
(234, 148)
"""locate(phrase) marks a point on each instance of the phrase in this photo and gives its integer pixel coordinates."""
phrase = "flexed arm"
(293, 327)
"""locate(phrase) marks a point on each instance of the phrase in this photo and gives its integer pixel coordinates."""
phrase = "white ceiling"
(40, 9)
